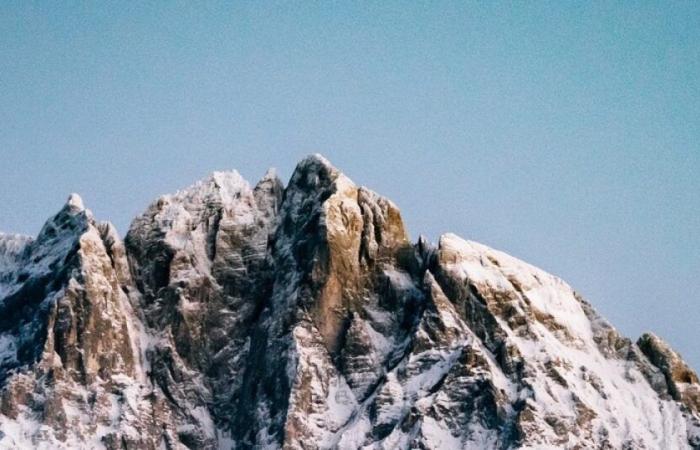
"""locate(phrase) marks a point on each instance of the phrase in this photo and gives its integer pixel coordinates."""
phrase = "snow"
(37, 256)
(340, 402)
(614, 389)
(75, 202)
(204, 418)
(224, 440)
(438, 436)
(399, 279)
(8, 349)
(17, 433)
(629, 397)
(382, 344)
(564, 369)
(13, 249)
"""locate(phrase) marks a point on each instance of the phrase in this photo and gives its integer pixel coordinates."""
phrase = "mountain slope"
(303, 317)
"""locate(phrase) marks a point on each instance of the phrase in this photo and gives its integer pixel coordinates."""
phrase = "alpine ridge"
(303, 316)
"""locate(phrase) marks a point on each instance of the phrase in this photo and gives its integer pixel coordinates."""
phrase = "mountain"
(304, 317)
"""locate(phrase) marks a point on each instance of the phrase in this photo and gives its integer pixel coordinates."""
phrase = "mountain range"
(302, 316)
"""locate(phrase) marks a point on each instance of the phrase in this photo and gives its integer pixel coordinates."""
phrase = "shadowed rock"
(302, 317)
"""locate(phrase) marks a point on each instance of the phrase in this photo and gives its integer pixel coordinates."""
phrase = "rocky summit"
(303, 316)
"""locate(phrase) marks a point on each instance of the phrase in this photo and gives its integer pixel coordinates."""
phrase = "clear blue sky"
(566, 133)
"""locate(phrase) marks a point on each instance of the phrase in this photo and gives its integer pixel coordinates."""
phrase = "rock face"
(303, 317)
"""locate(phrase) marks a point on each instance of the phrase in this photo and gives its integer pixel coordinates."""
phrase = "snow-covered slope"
(303, 317)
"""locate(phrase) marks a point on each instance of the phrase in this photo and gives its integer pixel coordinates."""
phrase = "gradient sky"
(565, 133)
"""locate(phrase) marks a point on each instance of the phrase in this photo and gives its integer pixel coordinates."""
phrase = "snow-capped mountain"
(303, 317)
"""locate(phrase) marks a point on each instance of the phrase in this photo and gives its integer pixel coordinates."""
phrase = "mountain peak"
(270, 181)
(270, 174)
(315, 172)
(317, 159)
(224, 184)
(303, 317)
(75, 202)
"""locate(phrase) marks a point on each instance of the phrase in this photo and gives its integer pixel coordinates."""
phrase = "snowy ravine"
(303, 317)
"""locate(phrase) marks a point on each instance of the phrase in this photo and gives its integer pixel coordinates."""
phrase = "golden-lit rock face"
(302, 317)
(84, 343)
(90, 330)
(361, 229)
(683, 383)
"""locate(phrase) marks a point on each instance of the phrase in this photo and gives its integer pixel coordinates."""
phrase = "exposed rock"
(682, 381)
(74, 370)
(302, 317)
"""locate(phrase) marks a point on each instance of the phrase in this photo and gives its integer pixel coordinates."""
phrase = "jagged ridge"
(303, 317)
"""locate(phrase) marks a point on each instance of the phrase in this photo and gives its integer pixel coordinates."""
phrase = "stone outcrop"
(303, 317)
